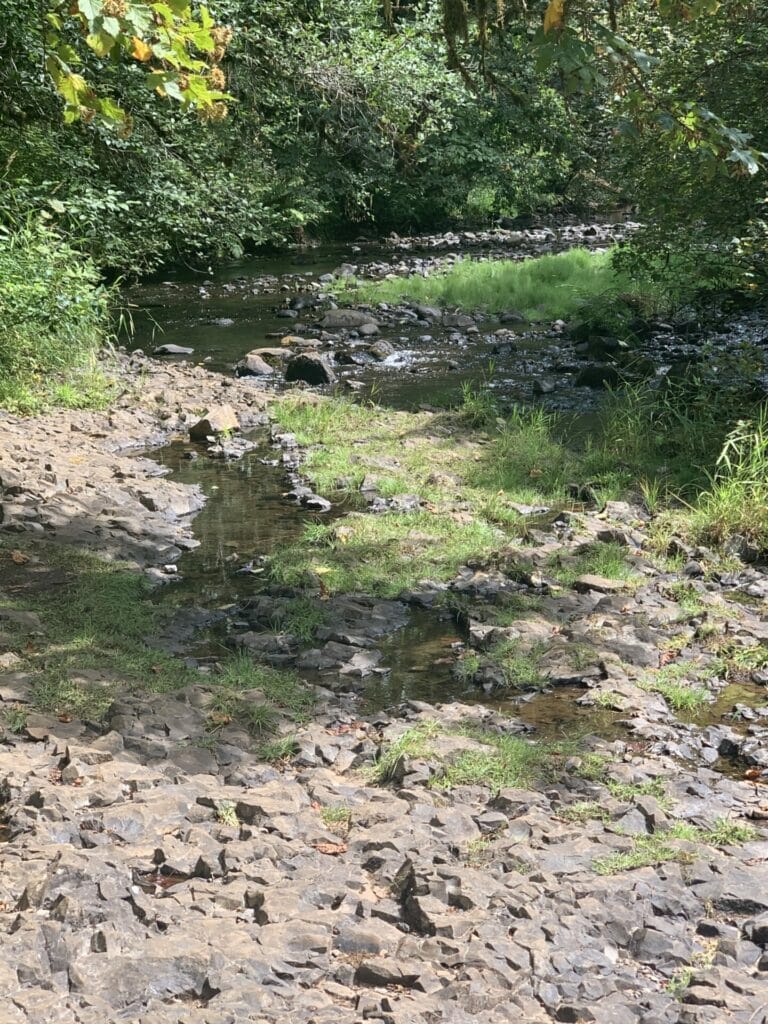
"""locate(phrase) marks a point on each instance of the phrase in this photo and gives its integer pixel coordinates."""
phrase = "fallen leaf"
(331, 849)
(19, 557)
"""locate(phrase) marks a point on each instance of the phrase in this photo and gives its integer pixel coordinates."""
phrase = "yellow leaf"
(19, 557)
(140, 49)
(554, 15)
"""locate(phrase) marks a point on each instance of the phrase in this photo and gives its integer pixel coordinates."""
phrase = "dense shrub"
(53, 320)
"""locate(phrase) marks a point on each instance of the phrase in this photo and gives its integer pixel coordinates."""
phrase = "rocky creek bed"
(382, 856)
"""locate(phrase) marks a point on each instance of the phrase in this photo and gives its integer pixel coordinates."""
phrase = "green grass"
(278, 750)
(282, 689)
(736, 502)
(629, 791)
(520, 667)
(15, 718)
(675, 684)
(506, 761)
(541, 289)
(599, 559)
(514, 608)
(226, 813)
(478, 406)
(413, 743)
(468, 666)
(583, 811)
(301, 617)
(336, 817)
(382, 555)
(687, 597)
(97, 619)
(652, 850)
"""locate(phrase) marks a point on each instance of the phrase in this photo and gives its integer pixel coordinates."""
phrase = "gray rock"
(346, 319)
(218, 420)
(252, 365)
(311, 368)
(172, 350)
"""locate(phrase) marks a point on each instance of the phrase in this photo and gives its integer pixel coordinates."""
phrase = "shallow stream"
(247, 513)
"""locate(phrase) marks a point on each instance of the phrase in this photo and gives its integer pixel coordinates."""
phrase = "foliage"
(349, 125)
(179, 47)
(53, 320)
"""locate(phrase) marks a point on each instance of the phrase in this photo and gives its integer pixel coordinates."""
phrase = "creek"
(247, 514)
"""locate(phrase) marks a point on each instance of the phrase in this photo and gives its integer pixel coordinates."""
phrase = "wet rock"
(253, 365)
(381, 350)
(346, 319)
(311, 368)
(172, 350)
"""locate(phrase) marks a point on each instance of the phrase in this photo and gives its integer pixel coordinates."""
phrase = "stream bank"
(399, 858)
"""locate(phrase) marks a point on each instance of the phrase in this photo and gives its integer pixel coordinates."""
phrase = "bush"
(53, 320)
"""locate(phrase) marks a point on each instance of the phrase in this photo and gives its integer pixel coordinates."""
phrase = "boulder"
(428, 312)
(350, 319)
(310, 367)
(219, 420)
(381, 349)
(252, 365)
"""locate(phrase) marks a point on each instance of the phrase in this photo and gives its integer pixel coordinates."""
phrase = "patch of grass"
(607, 700)
(279, 749)
(594, 767)
(527, 459)
(520, 667)
(687, 597)
(736, 502)
(97, 620)
(383, 554)
(649, 851)
(336, 818)
(301, 617)
(541, 289)
(506, 761)
(282, 689)
(226, 813)
(15, 718)
(599, 559)
(680, 982)
(467, 666)
(629, 791)
(674, 683)
(727, 832)
(414, 742)
(515, 608)
(585, 810)
(228, 706)
(478, 406)
(478, 851)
